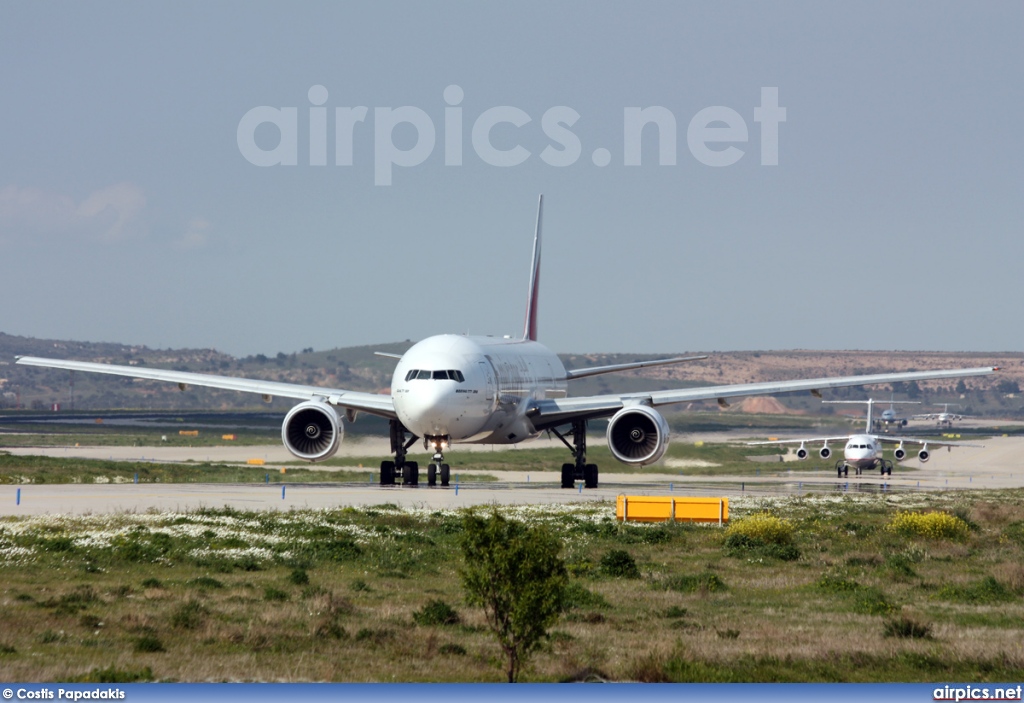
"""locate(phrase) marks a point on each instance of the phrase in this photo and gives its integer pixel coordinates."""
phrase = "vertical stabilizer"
(530, 328)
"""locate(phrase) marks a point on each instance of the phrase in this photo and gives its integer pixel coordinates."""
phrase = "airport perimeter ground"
(999, 465)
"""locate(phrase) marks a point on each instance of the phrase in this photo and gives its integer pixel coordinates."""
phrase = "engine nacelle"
(312, 431)
(801, 453)
(825, 452)
(924, 455)
(638, 435)
(900, 453)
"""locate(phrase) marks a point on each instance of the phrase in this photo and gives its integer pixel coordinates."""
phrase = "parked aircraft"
(864, 451)
(942, 419)
(497, 390)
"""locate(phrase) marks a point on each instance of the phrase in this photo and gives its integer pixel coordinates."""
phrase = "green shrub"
(1015, 532)
(705, 581)
(274, 594)
(907, 628)
(929, 525)
(619, 564)
(149, 643)
(113, 675)
(299, 577)
(831, 582)
(676, 612)
(152, 583)
(988, 590)
(436, 612)
(871, 601)
(452, 648)
(576, 596)
(204, 582)
(189, 615)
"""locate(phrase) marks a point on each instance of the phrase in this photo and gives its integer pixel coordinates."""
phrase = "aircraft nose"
(427, 407)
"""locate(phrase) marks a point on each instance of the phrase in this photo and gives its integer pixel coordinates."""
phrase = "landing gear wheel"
(567, 477)
(410, 474)
(446, 473)
(432, 475)
(590, 476)
(387, 473)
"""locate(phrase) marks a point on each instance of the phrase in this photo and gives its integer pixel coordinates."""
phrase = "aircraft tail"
(530, 328)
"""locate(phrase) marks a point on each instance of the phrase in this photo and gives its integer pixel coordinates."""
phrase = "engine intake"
(312, 431)
(638, 435)
(924, 455)
(900, 453)
(825, 452)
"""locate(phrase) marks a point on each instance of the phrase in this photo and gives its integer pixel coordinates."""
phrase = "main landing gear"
(580, 470)
(390, 471)
(843, 469)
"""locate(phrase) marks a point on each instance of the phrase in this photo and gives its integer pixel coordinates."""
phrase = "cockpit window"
(448, 374)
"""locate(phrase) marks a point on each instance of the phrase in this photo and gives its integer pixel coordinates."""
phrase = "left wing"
(552, 412)
(807, 440)
(598, 370)
(373, 403)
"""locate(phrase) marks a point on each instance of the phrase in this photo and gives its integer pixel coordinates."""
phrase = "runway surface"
(999, 465)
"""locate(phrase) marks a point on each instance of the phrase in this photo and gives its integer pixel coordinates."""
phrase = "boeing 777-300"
(454, 388)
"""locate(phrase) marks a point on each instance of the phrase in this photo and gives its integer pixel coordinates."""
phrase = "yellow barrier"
(666, 508)
(256, 462)
(228, 437)
(188, 433)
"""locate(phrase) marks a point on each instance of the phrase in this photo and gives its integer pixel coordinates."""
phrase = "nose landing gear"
(437, 465)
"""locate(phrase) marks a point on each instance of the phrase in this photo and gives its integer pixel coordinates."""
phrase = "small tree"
(515, 574)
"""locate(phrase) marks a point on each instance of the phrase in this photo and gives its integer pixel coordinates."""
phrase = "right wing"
(372, 403)
(597, 370)
(552, 412)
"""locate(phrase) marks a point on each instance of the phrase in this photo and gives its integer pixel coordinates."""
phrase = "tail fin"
(530, 328)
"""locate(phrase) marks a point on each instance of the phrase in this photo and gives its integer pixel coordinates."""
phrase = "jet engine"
(924, 455)
(312, 431)
(825, 452)
(900, 453)
(801, 453)
(638, 435)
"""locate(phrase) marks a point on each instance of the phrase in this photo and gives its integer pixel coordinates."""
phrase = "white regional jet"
(864, 451)
(943, 419)
(495, 390)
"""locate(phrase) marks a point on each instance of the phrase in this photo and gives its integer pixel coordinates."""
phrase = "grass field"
(819, 589)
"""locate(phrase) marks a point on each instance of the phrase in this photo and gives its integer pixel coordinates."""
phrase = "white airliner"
(889, 416)
(497, 390)
(864, 451)
(943, 419)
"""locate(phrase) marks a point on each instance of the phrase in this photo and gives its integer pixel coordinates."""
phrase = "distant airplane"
(889, 416)
(864, 451)
(491, 390)
(943, 419)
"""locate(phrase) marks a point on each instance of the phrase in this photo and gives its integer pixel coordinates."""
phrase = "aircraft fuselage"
(474, 389)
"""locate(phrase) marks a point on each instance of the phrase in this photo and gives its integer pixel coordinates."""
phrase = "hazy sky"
(131, 209)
